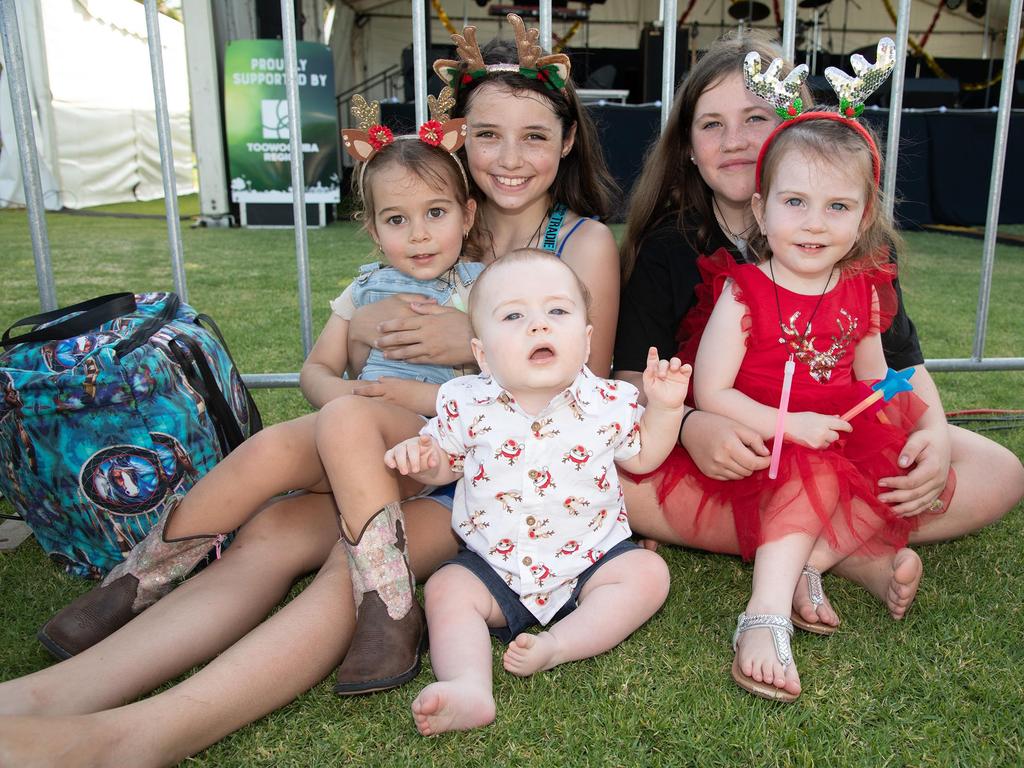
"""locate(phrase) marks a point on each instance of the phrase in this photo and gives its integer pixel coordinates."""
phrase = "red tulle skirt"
(830, 493)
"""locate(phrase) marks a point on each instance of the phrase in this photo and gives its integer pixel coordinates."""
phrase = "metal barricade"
(10, 35)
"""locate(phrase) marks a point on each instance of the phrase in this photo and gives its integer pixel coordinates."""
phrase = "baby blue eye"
(839, 207)
(558, 311)
(513, 316)
(794, 201)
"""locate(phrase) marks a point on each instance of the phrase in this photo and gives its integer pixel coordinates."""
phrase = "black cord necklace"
(734, 236)
(798, 341)
(534, 236)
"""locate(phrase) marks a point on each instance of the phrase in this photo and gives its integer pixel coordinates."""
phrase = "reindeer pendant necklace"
(820, 363)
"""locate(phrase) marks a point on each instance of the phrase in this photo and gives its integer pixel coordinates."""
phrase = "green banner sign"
(256, 108)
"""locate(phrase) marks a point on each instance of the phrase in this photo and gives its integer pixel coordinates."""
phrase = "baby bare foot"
(755, 654)
(907, 570)
(450, 706)
(808, 611)
(530, 653)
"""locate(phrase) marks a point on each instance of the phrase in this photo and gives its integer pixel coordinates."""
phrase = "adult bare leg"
(196, 621)
(253, 677)
(989, 483)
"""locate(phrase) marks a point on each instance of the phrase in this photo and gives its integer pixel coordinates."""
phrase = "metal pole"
(668, 61)
(789, 30)
(27, 154)
(163, 132)
(419, 59)
(995, 188)
(291, 66)
(892, 139)
(545, 25)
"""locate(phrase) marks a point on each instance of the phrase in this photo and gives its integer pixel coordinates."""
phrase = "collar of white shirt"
(590, 392)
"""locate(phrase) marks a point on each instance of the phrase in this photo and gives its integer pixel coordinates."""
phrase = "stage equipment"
(651, 40)
(977, 8)
(812, 3)
(751, 10)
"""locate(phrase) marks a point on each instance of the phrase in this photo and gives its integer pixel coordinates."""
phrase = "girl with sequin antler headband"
(819, 293)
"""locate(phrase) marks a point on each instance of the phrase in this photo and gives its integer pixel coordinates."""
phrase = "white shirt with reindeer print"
(539, 498)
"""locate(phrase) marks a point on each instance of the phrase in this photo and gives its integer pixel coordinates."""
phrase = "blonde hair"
(522, 256)
(835, 143)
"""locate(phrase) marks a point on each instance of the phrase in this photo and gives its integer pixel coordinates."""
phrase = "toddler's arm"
(719, 356)
(321, 376)
(418, 396)
(422, 459)
(665, 386)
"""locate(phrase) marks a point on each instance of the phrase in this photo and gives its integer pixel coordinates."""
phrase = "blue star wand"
(893, 383)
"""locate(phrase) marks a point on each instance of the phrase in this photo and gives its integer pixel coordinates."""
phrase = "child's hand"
(665, 381)
(415, 455)
(815, 430)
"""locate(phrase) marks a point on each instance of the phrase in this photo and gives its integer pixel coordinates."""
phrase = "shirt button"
(527, 560)
(535, 427)
(531, 520)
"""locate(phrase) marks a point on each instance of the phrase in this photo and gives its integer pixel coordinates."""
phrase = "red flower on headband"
(431, 132)
(380, 137)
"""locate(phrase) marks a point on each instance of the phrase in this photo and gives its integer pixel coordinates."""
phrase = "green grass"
(945, 687)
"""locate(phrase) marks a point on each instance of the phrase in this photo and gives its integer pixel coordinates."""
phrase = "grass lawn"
(944, 687)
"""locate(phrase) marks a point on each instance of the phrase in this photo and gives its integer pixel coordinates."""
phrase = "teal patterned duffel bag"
(108, 409)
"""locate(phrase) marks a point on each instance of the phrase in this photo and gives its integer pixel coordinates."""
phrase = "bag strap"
(142, 334)
(94, 313)
(255, 420)
(191, 358)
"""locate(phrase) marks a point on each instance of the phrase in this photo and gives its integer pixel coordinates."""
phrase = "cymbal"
(749, 9)
(812, 3)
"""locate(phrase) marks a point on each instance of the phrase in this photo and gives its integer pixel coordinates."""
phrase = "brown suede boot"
(147, 573)
(390, 626)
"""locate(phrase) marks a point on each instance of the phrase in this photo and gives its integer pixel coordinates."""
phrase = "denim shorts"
(442, 494)
(517, 617)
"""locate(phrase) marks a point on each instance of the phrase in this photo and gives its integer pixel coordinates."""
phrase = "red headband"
(876, 160)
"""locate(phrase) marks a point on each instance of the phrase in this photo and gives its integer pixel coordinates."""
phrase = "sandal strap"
(781, 628)
(814, 590)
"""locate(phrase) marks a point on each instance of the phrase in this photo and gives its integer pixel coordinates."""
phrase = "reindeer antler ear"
(442, 106)
(854, 91)
(783, 94)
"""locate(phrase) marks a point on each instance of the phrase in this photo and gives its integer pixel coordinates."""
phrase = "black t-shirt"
(660, 293)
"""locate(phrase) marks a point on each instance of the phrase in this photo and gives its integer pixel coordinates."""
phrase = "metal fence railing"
(10, 35)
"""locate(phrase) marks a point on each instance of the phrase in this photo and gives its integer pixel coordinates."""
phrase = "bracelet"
(686, 415)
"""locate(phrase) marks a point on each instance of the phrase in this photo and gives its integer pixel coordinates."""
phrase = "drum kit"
(808, 33)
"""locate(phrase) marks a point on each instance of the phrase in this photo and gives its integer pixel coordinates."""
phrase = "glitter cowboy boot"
(147, 573)
(390, 626)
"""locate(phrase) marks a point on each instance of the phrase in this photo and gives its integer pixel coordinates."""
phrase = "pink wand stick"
(780, 420)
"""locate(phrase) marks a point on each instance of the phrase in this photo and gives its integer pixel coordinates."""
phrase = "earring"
(465, 234)
(693, 159)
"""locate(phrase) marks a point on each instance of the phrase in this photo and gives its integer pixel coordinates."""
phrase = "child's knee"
(652, 575)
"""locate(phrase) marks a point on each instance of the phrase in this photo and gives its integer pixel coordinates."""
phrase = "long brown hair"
(583, 181)
(670, 183)
(835, 143)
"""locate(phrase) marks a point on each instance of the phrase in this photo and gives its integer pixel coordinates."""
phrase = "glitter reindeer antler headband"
(552, 69)
(371, 137)
(784, 95)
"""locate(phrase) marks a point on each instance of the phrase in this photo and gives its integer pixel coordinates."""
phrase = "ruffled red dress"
(830, 493)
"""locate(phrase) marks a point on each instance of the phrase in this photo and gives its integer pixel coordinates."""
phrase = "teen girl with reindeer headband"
(535, 169)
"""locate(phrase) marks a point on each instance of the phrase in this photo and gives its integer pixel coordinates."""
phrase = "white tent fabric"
(99, 97)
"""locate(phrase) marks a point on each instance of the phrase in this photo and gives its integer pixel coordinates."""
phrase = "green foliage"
(944, 687)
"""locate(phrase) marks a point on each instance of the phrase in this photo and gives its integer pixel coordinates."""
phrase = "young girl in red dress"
(818, 292)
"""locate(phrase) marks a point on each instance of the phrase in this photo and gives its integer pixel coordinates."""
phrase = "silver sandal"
(782, 630)
(816, 595)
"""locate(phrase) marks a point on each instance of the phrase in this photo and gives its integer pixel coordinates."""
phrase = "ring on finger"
(936, 505)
